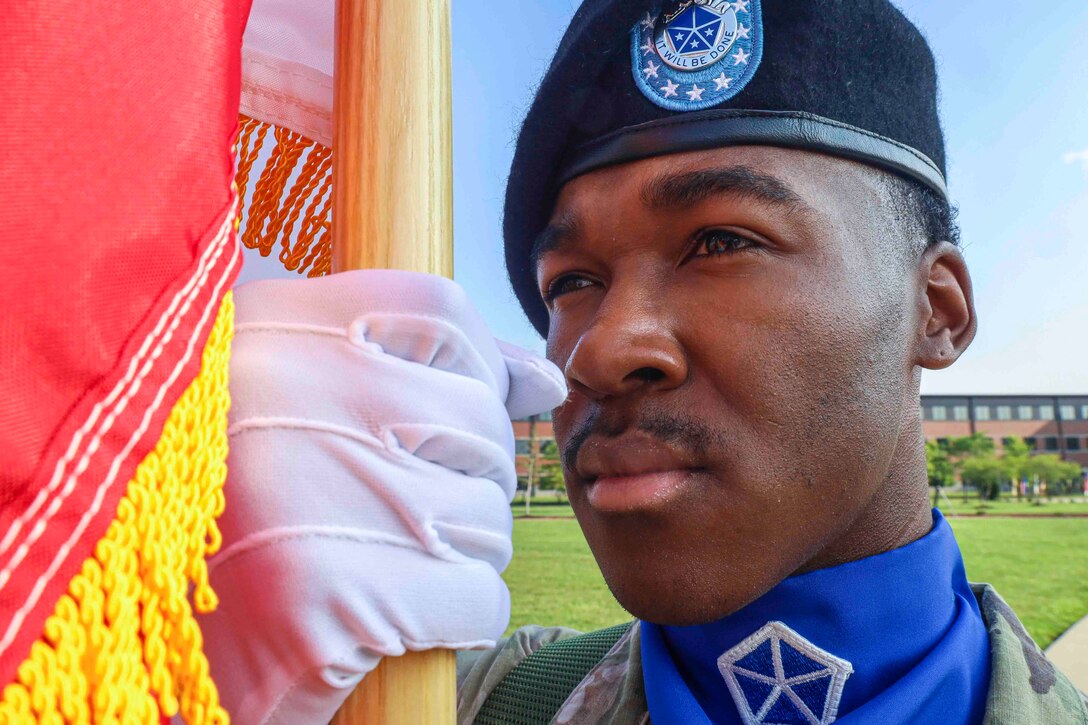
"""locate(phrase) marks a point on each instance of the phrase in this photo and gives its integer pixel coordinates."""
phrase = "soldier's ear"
(946, 306)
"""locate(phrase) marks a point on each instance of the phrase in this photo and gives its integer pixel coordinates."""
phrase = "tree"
(976, 446)
(972, 446)
(1016, 460)
(974, 459)
(986, 474)
(939, 466)
(1017, 447)
(1052, 470)
(533, 453)
(550, 477)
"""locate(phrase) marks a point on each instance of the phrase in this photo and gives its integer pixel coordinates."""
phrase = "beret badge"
(697, 54)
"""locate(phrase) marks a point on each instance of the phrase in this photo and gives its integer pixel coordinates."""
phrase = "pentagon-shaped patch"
(777, 677)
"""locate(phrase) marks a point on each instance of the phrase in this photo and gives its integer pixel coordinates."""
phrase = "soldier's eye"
(564, 284)
(718, 242)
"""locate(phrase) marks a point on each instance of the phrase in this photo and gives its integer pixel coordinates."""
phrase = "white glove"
(369, 479)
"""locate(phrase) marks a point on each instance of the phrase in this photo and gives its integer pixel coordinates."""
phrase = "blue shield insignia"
(777, 676)
(697, 54)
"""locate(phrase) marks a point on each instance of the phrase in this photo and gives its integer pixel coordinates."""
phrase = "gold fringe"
(274, 210)
(123, 646)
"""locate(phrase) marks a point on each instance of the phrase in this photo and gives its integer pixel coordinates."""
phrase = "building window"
(521, 446)
(959, 412)
(939, 412)
(1032, 442)
(982, 412)
(1051, 443)
(1072, 444)
(1004, 412)
(1046, 412)
(1024, 412)
(1069, 412)
(1084, 412)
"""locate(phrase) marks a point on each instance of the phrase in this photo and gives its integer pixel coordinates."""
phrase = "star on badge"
(648, 48)
(740, 57)
(696, 93)
(741, 6)
(743, 31)
(670, 88)
(694, 29)
(778, 676)
(651, 70)
(722, 82)
(648, 21)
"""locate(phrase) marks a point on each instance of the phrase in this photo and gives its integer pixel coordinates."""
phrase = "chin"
(660, 582)
(666, 601)
(695, 561)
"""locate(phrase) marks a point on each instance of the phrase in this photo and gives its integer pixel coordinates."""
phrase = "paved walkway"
(1070, 653)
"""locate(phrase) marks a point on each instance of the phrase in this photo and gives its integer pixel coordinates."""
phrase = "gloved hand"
(369, 479)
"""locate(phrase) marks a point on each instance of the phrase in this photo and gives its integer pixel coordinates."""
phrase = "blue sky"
(1014, 79)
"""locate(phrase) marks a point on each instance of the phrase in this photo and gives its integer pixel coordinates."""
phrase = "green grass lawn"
(973, 507)
(543, 509)
(549, 505)
(553, 579)
(1040, 566)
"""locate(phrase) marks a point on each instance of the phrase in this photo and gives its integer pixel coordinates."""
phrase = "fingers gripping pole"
(393, 208)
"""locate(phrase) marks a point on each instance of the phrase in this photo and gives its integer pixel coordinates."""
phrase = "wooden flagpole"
(393, 208)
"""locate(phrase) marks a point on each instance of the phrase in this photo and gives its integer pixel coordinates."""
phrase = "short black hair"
(923, 215)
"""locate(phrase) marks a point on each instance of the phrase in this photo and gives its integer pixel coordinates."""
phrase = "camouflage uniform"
(1025, 688)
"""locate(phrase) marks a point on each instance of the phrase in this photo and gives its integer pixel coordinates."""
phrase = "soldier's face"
(737, 329)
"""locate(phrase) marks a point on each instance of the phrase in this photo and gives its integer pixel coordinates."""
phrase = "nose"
(628, 348)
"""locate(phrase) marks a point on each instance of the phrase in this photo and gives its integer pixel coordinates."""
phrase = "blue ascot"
(894, 638)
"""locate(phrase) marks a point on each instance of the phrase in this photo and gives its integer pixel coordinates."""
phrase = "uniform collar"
(885, 615)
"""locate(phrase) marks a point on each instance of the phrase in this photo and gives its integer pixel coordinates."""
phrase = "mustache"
(690, 434)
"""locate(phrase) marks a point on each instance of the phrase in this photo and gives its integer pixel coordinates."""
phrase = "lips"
(633, 472)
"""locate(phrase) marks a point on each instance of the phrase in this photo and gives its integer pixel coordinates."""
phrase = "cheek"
(815, 371)
(850, 339)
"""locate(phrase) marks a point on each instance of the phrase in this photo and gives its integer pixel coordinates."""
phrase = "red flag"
(117, 246)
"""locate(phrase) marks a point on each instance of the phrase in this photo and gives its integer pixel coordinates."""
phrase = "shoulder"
(1025, 687)
(611, 692)
(480, 672)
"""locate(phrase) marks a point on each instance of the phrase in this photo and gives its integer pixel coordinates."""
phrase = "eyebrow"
(554, 237)
(683, 190)
(688, 188)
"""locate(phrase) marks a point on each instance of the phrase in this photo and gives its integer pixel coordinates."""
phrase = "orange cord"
(291, 202)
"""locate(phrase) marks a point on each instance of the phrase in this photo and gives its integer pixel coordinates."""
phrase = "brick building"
(1055, 424)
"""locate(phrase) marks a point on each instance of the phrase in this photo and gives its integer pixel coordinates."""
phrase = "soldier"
(730, 221)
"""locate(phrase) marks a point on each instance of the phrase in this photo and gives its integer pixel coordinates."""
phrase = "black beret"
(633, 79)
